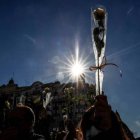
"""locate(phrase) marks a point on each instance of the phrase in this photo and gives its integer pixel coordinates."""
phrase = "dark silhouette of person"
(21, 122)
(67, 129)
(43, 125)
(99, 122)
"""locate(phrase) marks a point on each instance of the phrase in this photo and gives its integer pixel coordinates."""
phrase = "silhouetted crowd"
(98, 122)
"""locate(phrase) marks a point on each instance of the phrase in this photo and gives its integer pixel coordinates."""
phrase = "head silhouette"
(22, 117)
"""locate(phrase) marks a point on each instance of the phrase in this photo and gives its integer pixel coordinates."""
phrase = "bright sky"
(38, 39)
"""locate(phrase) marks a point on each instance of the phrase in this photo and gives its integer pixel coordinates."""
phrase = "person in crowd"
(99, 122)
(21, 123)
(67, 129)
(43, 124)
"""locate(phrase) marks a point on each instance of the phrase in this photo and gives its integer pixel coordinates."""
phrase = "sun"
(74, 64)
(76, 69)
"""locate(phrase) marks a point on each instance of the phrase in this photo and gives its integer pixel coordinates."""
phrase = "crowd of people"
(98, 122)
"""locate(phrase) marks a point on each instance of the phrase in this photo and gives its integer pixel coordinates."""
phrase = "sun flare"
(74, 65)
(77, 69)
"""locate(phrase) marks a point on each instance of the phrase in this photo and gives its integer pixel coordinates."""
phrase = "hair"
(22, 113)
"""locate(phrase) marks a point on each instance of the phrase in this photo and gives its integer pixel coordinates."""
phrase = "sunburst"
(74, 65)
(77, 69)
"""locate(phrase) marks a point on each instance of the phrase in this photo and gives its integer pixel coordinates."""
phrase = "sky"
(39, 37)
